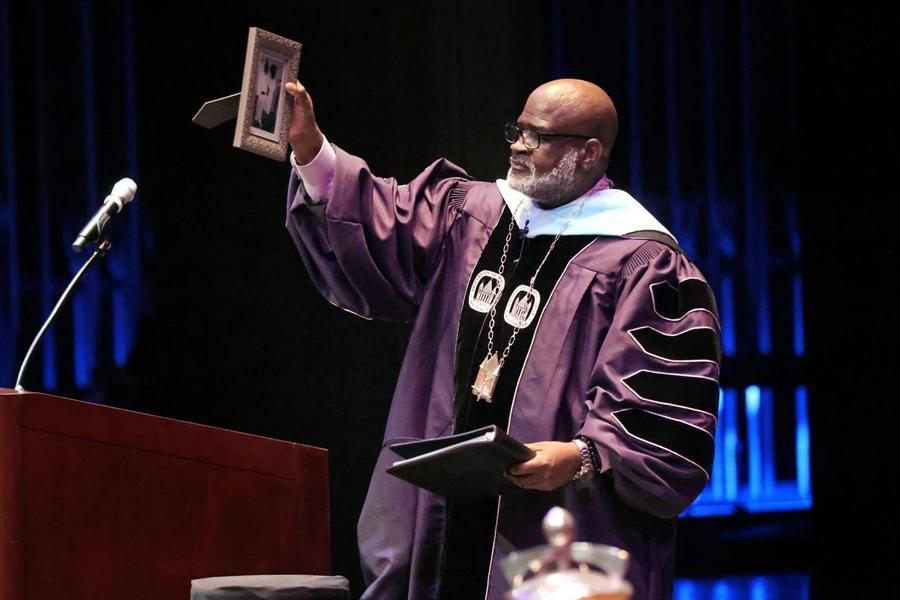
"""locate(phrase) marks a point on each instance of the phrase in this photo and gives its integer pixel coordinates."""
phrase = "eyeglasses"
(531, 138)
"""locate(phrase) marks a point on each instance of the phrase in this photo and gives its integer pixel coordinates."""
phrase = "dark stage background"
(203, 311)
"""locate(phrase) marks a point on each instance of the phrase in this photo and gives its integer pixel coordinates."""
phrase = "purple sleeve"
(373, 245)
(653, 400)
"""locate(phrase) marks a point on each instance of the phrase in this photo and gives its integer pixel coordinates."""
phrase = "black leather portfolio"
(463, 466)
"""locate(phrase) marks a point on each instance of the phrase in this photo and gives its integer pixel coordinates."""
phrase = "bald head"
(577, 106)
(576, 123)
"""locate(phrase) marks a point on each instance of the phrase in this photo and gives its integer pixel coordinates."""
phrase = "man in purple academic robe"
(549, 304)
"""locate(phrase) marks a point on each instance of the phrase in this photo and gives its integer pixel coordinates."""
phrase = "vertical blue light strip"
(721, 591)
(716, 487)
(712, 500)
(804, 591)
(685, 590)
(793, 102)
(751, 226)
(47, 287)
(799, 329)
(720, 236)
(719, 497)
(9, 322)
(759, 588)
(86, 301)
(757, 258)
(763, 306)
(127, 299)
(676, 208)
(752, 403)
(726, 316)
(767, 423)
(634, 99)
(792, 222)
(801, 409)
(729, 421)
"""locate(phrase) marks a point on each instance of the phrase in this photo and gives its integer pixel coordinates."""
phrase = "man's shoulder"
(480, 200)
(615, 255)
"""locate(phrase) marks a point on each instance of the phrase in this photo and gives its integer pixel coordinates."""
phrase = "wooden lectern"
(104, 503)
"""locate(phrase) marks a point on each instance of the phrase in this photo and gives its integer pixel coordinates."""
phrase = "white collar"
(603, 212)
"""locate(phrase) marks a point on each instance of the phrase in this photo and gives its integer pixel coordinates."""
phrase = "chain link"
(500, 272)
(512, 337)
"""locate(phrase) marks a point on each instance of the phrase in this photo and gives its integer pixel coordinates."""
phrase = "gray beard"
(553, 186)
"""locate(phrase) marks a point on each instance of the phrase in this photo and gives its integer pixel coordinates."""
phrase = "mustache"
(520, 162)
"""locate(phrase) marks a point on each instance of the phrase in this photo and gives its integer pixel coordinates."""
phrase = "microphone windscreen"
(124, 189)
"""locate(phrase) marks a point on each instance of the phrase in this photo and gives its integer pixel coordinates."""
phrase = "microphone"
(522, 234)
(122, 193)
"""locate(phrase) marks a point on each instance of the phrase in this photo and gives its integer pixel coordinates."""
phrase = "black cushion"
(274, 587)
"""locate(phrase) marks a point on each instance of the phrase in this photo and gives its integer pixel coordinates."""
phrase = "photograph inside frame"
(267, 117)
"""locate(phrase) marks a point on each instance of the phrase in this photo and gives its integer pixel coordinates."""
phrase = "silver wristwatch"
(587, 465)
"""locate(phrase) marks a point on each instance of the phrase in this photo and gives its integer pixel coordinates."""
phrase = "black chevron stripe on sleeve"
(674, 304)
(690, 443)
(695, 393)
(700, 343)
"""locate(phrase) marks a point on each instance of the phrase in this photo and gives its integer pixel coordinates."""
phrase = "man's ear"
(592, 153)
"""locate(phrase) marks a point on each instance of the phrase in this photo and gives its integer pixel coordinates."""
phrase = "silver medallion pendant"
(486, 289)
(522, 307)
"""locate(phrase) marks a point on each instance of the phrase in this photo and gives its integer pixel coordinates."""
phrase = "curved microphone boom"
(122, 193)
